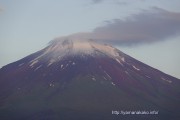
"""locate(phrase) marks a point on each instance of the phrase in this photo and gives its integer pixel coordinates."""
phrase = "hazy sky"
(148, 30)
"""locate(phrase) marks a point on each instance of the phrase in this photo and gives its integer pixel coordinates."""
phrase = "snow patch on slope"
(21, 64)
(123, 59)
(112, 83)
(33, 62)
(38, 67)
(61, 66)
(136, 68)
(169, 81)
(107, 75)
(51, 62)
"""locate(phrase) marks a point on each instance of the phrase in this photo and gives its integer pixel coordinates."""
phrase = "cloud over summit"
(148, 26)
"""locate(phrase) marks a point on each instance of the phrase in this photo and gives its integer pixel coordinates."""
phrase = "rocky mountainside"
(77, 79)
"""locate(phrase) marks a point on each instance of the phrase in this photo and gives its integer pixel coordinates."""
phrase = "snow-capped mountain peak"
(80, 46)
(59, 49)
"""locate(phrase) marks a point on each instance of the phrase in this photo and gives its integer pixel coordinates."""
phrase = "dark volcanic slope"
(71, 80)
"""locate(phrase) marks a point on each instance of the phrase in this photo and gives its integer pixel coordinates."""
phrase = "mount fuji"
(85, 80)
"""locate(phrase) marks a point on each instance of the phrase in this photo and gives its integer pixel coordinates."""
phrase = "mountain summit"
(77, 79)
(57, 50)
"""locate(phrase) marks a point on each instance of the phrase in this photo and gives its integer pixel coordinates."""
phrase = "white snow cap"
(62, 47)
(76, 46)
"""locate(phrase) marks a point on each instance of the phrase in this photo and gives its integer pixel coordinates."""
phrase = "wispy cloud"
(118, 2)
(96, 1)
(148, 26)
